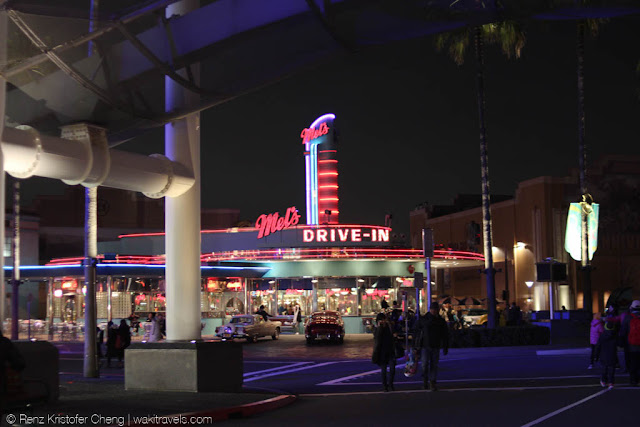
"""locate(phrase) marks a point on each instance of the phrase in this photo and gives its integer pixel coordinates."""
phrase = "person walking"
(631, 329)
(123, 340)
(623, 337)
(609, 349)
(297, 318)
(384, 351)
(597, 328)
(112, 333)
(11, 357)
(432, 335)
(155, 333)
(99, 341)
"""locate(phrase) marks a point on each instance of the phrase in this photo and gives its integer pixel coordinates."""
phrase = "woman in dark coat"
(609, 350)
(384, 351)
(124, 333)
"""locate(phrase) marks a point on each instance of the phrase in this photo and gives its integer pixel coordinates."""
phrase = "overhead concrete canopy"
(242, 45)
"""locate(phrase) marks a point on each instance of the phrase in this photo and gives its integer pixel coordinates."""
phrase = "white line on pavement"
(460, 379)
(362, 374)
(567, 351)
(271, 374)
(554, 413)
(357, 393)
(247, 374)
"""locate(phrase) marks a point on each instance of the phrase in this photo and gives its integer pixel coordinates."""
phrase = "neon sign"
(311, 133)
(321, 171)
(267, 224)
(344, 235)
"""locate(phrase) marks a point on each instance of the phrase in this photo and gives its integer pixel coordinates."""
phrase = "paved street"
(513, 386)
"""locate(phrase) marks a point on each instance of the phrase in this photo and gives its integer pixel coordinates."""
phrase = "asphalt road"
(512, 386)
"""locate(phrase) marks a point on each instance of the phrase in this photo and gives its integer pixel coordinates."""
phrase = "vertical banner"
(572, 240)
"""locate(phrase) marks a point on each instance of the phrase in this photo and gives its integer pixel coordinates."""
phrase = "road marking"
(563, 351)
(357, 393)
(338, 381)
(554, 413)
(248, 374)
(302, 368)
(363, 374)
(465, 379)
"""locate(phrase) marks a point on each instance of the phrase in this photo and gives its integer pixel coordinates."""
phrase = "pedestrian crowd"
(431, 336)
(609, 332)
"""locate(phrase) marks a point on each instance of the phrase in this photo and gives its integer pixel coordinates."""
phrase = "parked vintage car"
(475, 317)
(249, 326)
(324, 325)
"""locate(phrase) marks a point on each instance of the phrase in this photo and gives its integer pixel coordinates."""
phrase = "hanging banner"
(573, 234)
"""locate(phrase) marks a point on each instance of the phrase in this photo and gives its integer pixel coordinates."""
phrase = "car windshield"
(244, 319)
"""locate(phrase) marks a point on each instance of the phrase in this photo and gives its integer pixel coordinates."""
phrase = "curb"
(221, 414)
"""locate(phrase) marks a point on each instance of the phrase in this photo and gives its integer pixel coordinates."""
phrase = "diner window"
(342, 300)
(288, 298)
(372, 300)
(266, 298)
(222, 297)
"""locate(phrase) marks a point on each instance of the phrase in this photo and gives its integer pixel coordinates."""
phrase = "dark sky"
(407, 120)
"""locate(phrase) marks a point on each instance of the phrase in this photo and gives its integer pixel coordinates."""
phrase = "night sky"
(408, 128)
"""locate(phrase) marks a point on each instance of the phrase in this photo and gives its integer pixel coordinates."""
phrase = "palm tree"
(511, 39)
(586, 199)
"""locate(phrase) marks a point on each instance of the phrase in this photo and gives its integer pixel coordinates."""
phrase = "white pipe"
(28, 153)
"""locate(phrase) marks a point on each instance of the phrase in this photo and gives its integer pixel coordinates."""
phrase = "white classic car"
(249, 326)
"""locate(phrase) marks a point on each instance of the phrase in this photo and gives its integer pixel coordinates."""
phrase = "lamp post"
(529, 284)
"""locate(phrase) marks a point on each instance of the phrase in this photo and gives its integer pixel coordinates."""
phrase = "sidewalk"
(104, 401)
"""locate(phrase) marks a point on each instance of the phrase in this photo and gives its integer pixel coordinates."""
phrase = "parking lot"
(519, 386)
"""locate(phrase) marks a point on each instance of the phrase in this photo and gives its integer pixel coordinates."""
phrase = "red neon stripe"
(327, 161)
(328, 151)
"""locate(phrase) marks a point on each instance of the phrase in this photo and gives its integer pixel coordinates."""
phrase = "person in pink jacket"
(597, 328)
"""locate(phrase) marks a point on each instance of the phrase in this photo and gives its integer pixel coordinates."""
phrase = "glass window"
(266, 298)
(287, 300)
(222, 297)
(372, 300)
(342, 300)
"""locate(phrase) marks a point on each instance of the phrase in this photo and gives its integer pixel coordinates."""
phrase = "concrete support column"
(182, 213)
(3, 60)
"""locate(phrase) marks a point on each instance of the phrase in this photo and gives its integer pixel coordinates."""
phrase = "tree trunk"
(486, 198)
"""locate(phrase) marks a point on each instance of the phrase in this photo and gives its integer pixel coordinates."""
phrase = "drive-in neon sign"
(312, 133)
(338, 234)
(267, 224)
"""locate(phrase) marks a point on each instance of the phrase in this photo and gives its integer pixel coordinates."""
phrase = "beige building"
(530, 227)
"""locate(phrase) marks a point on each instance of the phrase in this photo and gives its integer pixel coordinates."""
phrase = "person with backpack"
(630, 328)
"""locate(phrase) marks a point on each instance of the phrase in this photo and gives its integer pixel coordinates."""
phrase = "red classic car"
(325, 325)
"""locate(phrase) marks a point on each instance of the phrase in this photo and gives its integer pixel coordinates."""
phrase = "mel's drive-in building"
(286, 258)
